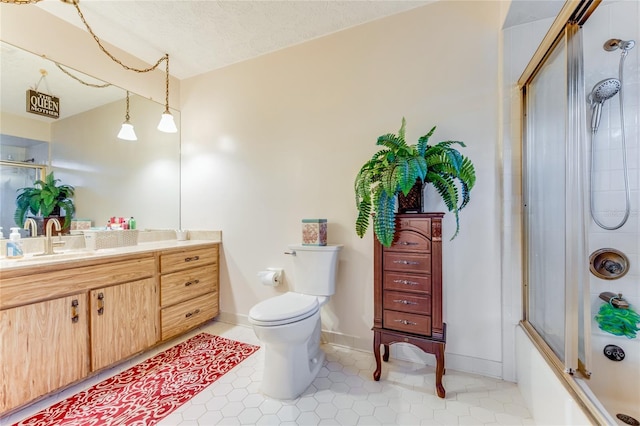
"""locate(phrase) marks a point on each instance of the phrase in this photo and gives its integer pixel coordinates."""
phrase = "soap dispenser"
(14, 245)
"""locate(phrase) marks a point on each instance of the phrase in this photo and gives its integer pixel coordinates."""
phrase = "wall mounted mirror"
(112, 177)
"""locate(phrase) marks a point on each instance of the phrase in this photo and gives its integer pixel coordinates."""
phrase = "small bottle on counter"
(14, 245)
(132, 223)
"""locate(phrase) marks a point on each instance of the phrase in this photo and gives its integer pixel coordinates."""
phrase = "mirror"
(112, 177)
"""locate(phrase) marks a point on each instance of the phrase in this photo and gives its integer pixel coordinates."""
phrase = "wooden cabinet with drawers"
(408, 290)
(61, 322)
(188, 289)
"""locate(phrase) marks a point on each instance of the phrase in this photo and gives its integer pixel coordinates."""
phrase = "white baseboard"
(400, 351)
(467, 364)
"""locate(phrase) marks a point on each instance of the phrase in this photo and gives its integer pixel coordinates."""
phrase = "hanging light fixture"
(126, 131)
(167, 124)
(19, 1)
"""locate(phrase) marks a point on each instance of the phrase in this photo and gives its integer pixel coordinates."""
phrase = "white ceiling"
(204, 35)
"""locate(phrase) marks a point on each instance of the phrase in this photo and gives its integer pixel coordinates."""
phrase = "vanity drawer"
(188, 258)
(406, 302)
(407, 282)
(183, 285)
(410, 241)
(407, 262)
(184, 316)
(411, 323)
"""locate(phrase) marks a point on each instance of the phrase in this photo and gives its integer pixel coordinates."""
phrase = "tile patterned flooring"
(344, 393)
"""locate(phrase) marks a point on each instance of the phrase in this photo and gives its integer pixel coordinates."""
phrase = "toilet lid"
(288, 308)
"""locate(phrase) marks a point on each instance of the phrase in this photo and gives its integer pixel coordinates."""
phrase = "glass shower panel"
(545, 199)
(12, 178)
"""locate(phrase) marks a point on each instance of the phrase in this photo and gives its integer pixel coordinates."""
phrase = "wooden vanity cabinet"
(188, 289)
(123, 321)
(408, 290)
(44, 346)
(61, 323)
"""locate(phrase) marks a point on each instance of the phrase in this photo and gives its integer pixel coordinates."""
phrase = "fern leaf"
(384, 222)
(424, 140)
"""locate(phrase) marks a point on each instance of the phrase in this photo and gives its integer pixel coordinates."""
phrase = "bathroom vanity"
(408, 290)
(65, 317)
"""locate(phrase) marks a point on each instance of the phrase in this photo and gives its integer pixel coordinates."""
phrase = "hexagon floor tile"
(344, 393)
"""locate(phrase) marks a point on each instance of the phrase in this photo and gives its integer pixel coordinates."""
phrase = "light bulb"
(127, 133)
(167, 124)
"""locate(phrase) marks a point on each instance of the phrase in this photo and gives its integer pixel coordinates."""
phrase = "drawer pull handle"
(405, 322)
(190, 314)
(405, 302)
(406, 262)
(406, 243)
(189, 259)
(188, 283)
(405, 282)
(100, 303)
(74, 310)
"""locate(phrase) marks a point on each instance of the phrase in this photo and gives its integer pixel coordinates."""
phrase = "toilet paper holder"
(271, 276)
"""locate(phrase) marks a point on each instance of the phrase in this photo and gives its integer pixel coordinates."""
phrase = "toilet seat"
(285, 309)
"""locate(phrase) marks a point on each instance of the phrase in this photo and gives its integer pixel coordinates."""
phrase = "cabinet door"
(123, 321)
(43, 346)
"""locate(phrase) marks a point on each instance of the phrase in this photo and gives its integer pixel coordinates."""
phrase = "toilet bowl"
(289, 325)
(289, 328)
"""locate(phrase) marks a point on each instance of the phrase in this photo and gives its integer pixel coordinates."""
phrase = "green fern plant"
(397, 168)
(43, 198)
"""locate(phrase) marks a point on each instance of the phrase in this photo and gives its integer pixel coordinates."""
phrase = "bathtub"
(616, 384)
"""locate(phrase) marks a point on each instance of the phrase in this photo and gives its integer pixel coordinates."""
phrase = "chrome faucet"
(31, 225)
(49, 243)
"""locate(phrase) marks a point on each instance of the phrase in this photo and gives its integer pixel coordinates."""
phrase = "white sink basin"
(35, 258)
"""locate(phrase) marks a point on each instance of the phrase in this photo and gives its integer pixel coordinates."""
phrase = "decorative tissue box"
(78, 225)
(95, 240)
(314, 232)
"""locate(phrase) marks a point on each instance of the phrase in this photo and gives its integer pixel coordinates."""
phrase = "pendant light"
(126, 131)
(167, 124)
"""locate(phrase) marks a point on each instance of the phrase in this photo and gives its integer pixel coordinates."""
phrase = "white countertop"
(34, 259)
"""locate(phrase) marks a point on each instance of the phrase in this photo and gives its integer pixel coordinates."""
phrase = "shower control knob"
(614, 353)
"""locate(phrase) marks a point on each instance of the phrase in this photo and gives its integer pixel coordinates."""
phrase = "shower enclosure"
(581, 192)
(13, 176)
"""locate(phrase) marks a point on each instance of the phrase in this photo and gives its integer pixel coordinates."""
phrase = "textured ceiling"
(204, 35)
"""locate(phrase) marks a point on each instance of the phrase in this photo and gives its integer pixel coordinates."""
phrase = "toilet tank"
(315, 269)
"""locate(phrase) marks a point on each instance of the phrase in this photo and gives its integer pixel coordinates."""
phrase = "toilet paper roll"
(270, 278)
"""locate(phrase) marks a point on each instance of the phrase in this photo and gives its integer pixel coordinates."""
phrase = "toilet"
(289, 325)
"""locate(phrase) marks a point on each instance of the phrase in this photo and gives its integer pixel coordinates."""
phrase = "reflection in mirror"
(112, 177)
(16, 173)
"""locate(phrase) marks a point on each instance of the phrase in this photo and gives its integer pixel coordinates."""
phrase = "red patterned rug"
(148, 392)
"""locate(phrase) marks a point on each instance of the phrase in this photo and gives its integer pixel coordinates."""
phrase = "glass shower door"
(546, 106)
(555, 202)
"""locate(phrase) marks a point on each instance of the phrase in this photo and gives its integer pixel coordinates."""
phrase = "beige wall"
(273, 140)
(279, 138)
(15, 125)
(114, 177)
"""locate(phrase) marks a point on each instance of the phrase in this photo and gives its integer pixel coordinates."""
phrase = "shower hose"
(624, 157)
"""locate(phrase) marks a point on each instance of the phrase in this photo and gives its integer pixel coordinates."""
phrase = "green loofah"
(621, 322)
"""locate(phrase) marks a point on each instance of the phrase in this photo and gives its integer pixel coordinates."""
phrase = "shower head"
(602, 91)
(615, 43)
(605, 90)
